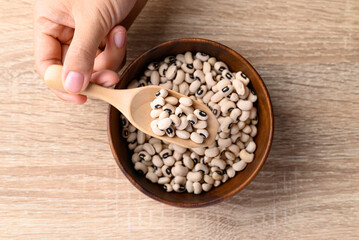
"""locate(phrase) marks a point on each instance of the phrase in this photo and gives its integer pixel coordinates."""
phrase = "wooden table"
(58, 179)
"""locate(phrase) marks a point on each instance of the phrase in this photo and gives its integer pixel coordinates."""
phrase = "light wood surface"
(58, 179)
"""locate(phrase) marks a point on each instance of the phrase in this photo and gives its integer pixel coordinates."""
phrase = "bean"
(244, 116)
(188, 57)
(244, 105)
(152, 177)
(201, 91)
(176, 121)
(194, 176)
(218, 163)
(202, 56)
(242, 77)
(163, 69)
(220, 66)
(253, 131)
(195, 137)
(184, 123)
(189, 187)
(140, 167)
(171, 100)
(207, 97)
(184, 88)
(217, 183)
(188, 68)
(182, 134)
(239, 166)
(199, 75)
(201, 167)
(194, 86)
(209, 80)
(179, 78)
(206, 187)
(149, 149)
(203, 133)
(164, 123)
(131, 137)
(224, 142)
(206, 68)
(168, 187)
(171, 72)
(164, 180)
(155, 78)
(156, 113)
(246, 156)
(170, 132)
(197, 64)
(186, 101)
(197, 187)
(211, 152)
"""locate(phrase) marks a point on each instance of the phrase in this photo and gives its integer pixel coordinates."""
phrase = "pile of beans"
(194, 170)
(182, 120)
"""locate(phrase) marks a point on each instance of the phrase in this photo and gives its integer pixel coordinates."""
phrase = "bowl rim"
(251, 176)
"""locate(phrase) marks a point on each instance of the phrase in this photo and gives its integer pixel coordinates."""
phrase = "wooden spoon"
(135, 105)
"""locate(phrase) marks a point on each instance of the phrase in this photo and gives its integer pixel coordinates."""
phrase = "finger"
(79, 60)
(77, 99)
(106, 78)
(114, 52)
(48, 38)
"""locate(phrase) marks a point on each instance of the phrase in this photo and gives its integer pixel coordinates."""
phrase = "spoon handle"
(53, 79)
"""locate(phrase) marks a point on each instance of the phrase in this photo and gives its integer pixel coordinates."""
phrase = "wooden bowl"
(263, 139)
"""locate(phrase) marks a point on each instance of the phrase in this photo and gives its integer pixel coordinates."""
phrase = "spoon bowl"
(134, 104)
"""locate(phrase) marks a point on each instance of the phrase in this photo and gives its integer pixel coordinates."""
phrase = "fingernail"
(74, 82)
(120, 38)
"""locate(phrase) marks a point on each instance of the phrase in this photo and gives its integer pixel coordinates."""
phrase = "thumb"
(79, 60)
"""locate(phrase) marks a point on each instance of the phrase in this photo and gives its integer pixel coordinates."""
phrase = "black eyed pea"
(255, 121)
(206, 68)
(163, 69)
(149, 164)
(177, 156)
(144, 155)
(229, 155)
(230, 172)
(206, 187)
(201, 167)
(188, 68)
(155, 113)
(188, 58)
(241, 125)
(253, 113)
(158, 172)
(194, 86)
(201, 91)
(203, 133)
(157, 161)
(179, 170)
(234, 97)
(165, 153)
(149, 149)
(182, 134)
(163, 180)
(158, 102)
(244, 137)
(171, 72)
(171, 100)
(189, 187)
(199, 75)
(234, 149)
(135, 158)
(186, 109)
(225, 178)
(153, 66)
(235, 114)
(226, 124)
(189, 78)
(208, 179)
(197, 188)
(242, 77)
(217, 97)
(170, 132)
(184, 123)
(199, 150)
(220, 66)
(244, 116)
(201, 115)
(124, 121)
(200, 125)
(202, 56)
(252, 97)
(239, 166)
(155, 78)
(227, 107)
(170, 59)
(251, 147)
(197, 64)
(247, 129)
(168, 187)
(176, 121)
(253, 131)
(246, 156)
(188, 162)
(192, 119)
(167, 84)
(132, 145)
(169, 108)
(210, 82)
(227, 74)
(179, 187)
(225, 91)
(142, 83)
(180, 180)
(195, 157)
(141, 168)
(217, 183)
(218, 163)
(223, 83)
(194, 176)
(166, 170)
(164, 123)
(246, 93)
(234, 129)
(163, 115)
(212, 60)
(196, 137)
(131, 137)
(131, 128)
(211, 152)
(216, 110)
(179, 112)
(224, 134)
(189, 128)
(224, 142)
(180, 76)
(152, 177)
(180, 57)
(239, 87)
(157, 146)
(186, 101)
(244, 105)
(217, 176)
(125, 133)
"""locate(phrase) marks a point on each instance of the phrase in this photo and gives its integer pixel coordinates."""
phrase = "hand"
(82, 36)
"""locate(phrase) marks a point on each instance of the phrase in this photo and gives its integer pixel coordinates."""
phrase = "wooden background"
(58, 179)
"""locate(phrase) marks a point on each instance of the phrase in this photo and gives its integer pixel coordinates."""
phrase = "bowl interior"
(263, 139)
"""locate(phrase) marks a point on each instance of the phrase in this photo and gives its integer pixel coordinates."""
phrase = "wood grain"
(58, 179)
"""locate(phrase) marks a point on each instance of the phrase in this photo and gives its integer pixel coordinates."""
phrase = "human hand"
(82, 36)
